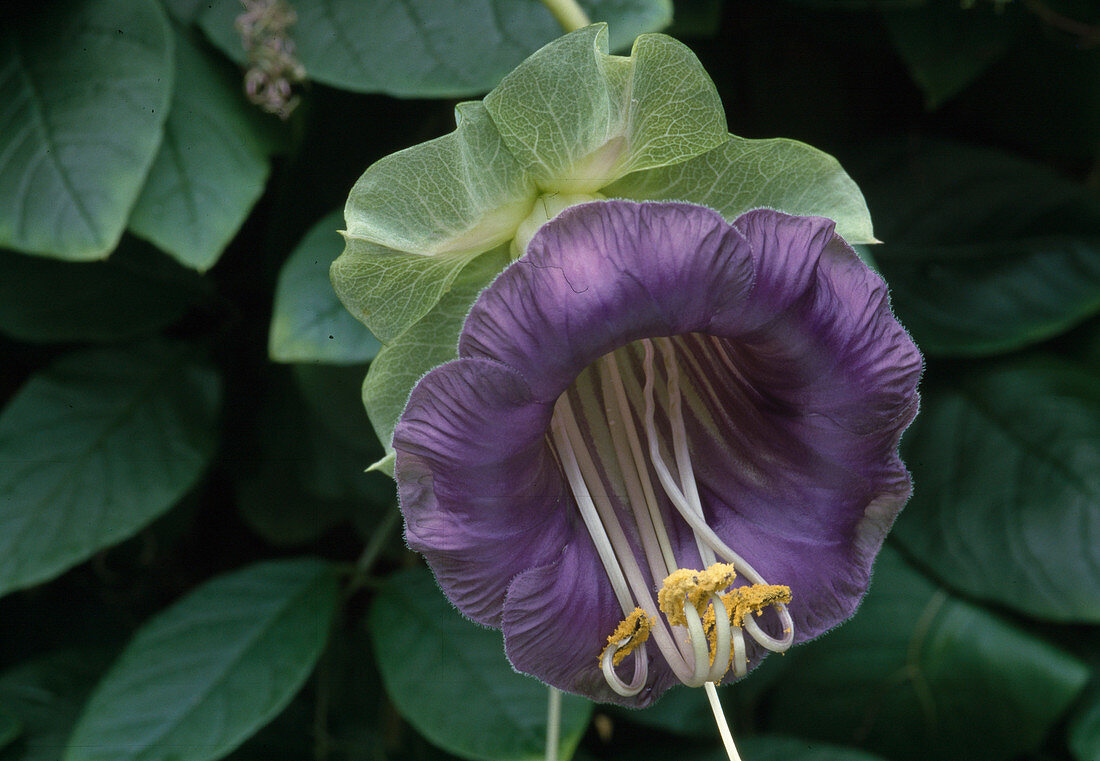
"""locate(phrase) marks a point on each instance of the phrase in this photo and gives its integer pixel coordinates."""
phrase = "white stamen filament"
(606, 553)
(623, 406)
(689, 657)
(693, 513)
(679, 438)
(626, 566)
(636, 478)
(655, 548)
(722, 640)
(699, 644)
(740, 658)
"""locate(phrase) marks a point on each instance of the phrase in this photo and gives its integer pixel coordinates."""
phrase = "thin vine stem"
(570, 15)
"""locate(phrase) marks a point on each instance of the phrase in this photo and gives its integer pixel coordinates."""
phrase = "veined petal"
(605, 274)
(556, 616)
(479, 489)
(661, 374)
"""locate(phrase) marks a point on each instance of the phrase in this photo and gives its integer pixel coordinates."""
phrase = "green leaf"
(309, 324)
(1006, 459)
(97, 446)
(203, 675)
(137, 291)
(947, 45)
(428, 48)
(984, 253)
(85, 86)
(449, 678)
(430, 342)
(340, 437)
(916, 671)
(774, 748)
(211, 166)
(10, 728)
(46, 694)
(1084, 727)
(578, 118)
(746, 174)
(298, 487)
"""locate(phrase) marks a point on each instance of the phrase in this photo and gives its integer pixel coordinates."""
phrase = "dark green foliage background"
(194, 564)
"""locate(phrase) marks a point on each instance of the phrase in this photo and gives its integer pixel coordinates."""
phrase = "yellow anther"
(744, 601)
(634, 629)
(694, 587)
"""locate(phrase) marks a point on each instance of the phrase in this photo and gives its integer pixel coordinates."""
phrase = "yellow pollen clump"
(744, 601)
(634, 629)
(694, 587)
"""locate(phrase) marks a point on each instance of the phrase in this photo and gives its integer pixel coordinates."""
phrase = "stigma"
(621, 441)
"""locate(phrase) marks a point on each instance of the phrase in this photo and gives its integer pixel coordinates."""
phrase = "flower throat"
(701, 634)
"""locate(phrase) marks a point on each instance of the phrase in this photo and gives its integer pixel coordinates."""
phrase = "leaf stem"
(371, 552)
(570, 15)
(553, 724)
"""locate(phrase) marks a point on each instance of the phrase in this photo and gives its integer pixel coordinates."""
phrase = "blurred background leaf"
(917, 669)
(429, 656)
(1007, 458)
(309, 323)
(947, 44)
(984, 253)
(202, 676)
(73, 165)
(46, 695)
(211, 167)
(98, 445)
(428, 48)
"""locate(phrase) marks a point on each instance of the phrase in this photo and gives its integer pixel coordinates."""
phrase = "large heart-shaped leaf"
(984, 253)
(1006, 459)
(206, 673)
(211, 166)
(428, 48)
(430, 656)
(85, 86)
(95, 447)
(917, 670)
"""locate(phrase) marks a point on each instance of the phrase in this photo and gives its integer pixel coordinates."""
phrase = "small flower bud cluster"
(273, 67)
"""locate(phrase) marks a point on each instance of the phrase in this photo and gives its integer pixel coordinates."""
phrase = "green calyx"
(430, 226)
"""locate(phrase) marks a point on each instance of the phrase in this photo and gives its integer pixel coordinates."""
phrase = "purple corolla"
(669, 444)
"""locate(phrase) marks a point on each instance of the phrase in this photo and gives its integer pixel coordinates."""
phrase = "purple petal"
(602, 275)
(798, 383)
(480, 491)
(556, 621)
